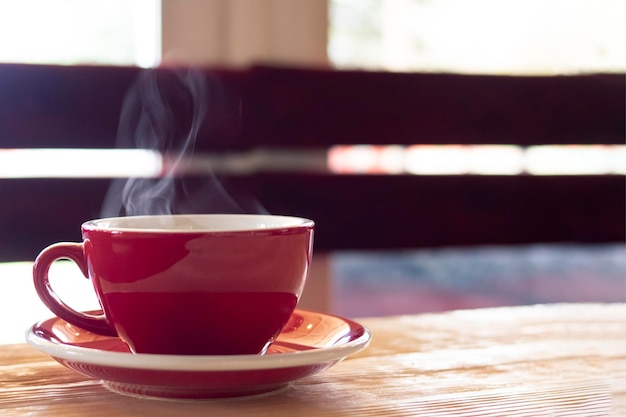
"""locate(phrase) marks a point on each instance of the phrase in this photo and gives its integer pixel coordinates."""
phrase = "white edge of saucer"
(197, 363)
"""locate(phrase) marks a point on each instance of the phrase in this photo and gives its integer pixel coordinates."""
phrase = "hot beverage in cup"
(187, 284)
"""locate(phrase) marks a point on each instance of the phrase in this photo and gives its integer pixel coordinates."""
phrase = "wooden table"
(536, 360)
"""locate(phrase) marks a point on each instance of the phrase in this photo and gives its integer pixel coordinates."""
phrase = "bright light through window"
(479, 160)
(358, 159)
(479, 36)
(79, 163)
(111, 32)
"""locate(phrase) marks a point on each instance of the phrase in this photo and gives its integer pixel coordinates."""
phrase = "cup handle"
(73, 252)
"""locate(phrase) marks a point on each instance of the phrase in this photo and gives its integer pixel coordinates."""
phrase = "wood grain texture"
(566, 359)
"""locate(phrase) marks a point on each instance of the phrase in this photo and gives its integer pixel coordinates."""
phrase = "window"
(112, 32)
(479, 36)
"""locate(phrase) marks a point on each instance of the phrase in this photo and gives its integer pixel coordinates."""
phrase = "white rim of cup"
(272, 222)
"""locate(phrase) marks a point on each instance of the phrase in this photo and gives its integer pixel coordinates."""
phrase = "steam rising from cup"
(163, 111)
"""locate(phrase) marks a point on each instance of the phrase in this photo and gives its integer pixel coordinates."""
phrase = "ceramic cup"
(187, 284)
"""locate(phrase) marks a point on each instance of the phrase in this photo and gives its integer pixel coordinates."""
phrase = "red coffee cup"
(187, 284)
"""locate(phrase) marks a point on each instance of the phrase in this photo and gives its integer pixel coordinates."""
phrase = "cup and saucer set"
(193, 307)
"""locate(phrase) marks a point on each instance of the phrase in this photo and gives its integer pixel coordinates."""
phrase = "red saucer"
(309, 343)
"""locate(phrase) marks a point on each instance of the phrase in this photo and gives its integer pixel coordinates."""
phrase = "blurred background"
(478, 37)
